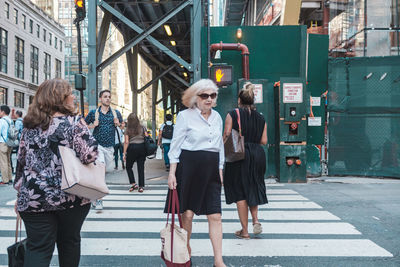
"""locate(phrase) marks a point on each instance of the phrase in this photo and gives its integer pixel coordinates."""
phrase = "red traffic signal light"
(80, 10)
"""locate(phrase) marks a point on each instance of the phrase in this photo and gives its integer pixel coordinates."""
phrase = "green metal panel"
(275, 52)
(294, 173)
(364, 116)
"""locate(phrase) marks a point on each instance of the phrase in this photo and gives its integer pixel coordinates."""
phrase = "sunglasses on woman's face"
(206, 96)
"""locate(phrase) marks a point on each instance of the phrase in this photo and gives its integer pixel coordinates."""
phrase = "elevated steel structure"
(141, 23)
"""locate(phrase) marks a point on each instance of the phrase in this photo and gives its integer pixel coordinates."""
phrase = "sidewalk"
(154, 173)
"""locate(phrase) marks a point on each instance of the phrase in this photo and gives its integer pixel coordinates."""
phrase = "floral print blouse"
(39, 165)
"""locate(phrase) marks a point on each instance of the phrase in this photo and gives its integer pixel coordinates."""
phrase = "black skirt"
(198, 182)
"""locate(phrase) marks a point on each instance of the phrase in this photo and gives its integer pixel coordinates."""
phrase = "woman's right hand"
(172, 181)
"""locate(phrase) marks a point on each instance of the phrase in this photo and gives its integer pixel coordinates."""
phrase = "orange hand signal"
(219, 75)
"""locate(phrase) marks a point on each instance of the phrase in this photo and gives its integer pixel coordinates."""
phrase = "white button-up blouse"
(193, 132)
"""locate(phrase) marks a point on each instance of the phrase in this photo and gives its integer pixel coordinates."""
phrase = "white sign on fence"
(292, 93)
(258, 93)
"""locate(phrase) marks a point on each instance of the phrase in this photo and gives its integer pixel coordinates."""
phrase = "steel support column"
(143, 35)
(195, 39)
(154, 105)
(92, 55)
(132, 62)
(102, 35)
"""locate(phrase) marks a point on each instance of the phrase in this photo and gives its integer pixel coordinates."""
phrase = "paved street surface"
(330, 222)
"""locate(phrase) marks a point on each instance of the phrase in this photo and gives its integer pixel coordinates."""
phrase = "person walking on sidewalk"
(165, 137)
(135, 151)
(119, 146)
(197, 159)
(51, 216)
(244, 180)
(104, 121)
(5, 150)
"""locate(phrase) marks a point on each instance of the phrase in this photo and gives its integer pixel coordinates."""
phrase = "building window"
(55, 42)
(38, 31)
(31, 99)
(3, 50)
(18, 99)
(3, 96)
(44, 35)
(47, 66)
(50, 38)
(19, 58)
(7, 10)
(58, 68)
(61, 46)
(16, 16)
(31, 26)
(34, 64)
(24, 21)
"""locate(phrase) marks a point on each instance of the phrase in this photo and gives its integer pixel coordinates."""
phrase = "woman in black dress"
(244, 179)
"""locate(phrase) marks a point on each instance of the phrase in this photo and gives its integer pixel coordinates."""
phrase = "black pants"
(118, 148)
(44, 229)
(136, 152)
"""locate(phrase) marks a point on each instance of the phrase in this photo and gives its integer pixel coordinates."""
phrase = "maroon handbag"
(174, 251)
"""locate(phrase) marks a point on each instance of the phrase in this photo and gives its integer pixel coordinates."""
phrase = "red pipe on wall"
(239, 47)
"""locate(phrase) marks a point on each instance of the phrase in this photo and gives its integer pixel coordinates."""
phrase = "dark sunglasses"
(206, 96)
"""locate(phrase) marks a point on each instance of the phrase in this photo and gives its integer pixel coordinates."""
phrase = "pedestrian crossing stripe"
(160, 205)
(306, 229)
(330, 228)
(232, 247)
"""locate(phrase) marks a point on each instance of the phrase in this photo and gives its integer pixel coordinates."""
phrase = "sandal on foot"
(133, 187)
(140, 190)
(239, 234)
(257, 228)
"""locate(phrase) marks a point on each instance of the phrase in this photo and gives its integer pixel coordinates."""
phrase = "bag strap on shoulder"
(238, 121)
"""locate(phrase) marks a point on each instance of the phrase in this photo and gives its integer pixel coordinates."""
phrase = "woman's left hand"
(221, 176)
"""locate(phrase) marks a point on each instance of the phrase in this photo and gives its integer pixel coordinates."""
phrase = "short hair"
(104, 91)
(168, 117)
(190, 95)
(5, 109)
(19, 113)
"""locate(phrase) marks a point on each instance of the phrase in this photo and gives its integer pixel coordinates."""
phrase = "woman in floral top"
(51, 215)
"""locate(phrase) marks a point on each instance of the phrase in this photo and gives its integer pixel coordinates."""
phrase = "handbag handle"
(238, 121)
(18, 228)
(173, 196)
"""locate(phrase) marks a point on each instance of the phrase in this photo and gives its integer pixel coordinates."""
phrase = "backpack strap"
(96, 115)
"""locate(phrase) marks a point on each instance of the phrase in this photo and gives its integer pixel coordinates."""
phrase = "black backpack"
(168, 131)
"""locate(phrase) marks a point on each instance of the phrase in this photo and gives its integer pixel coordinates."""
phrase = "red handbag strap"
(173, 197)
(238, 121)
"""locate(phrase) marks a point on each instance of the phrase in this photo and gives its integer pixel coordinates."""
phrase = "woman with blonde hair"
(244, 179)
(51, 215)
(196, 161)
(135, 151)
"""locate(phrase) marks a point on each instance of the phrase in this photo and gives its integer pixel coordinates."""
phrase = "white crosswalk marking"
(293, 226)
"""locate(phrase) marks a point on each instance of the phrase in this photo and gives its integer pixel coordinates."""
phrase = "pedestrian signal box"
(222, 74)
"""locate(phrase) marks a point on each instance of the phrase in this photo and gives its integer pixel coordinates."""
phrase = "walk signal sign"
(80, 10)
(221, 74)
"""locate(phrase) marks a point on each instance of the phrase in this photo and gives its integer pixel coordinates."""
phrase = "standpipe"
(238, 47)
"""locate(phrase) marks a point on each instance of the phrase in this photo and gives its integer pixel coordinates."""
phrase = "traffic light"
(221, 74)
(80, 10)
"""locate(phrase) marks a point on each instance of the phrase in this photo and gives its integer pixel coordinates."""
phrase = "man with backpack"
(165, 137)
(8, 140)
(104, 121)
